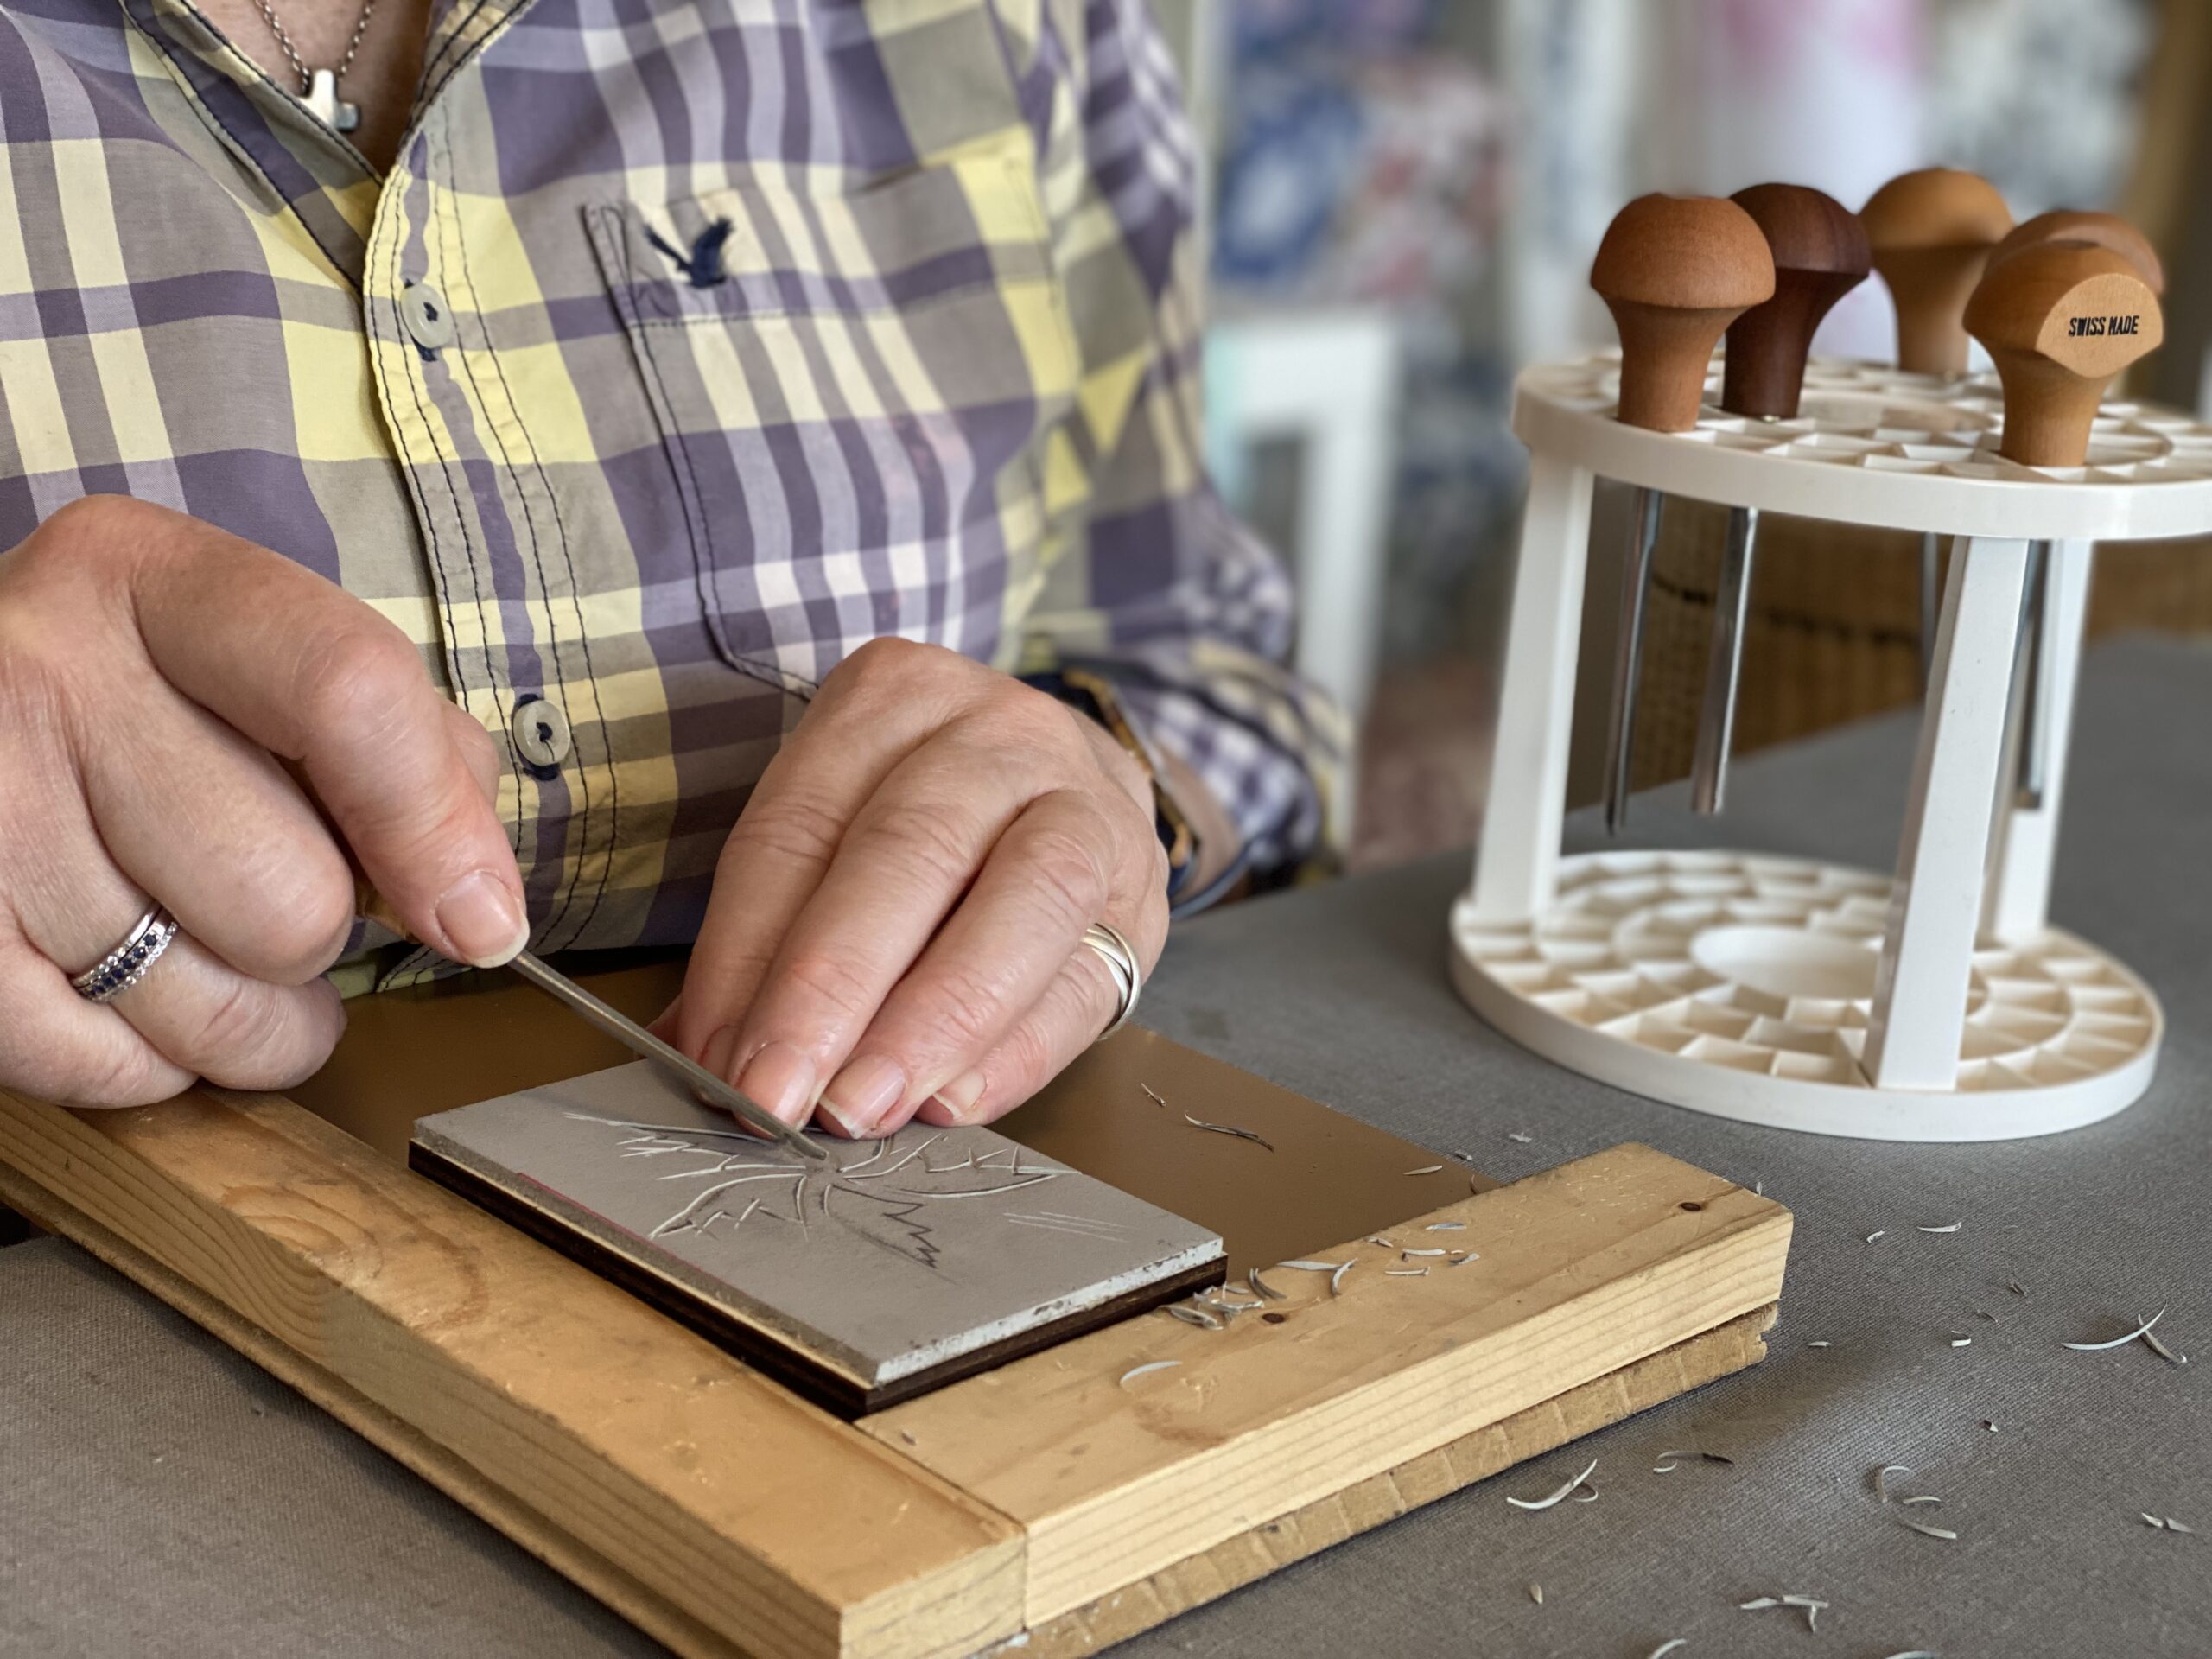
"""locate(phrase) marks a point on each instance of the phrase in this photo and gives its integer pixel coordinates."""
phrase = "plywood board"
(1579, 1272)
(746, 1510)
(1250, 1555)
(889, 1267)
(1113, 1617)
(724, 1515)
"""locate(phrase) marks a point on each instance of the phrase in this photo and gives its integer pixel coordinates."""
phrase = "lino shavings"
(1228, 1129)
(2142, 1329)
(1812, 1607)
(1427, 1169)
(1135, 1371)
(1670, 1461)
(1558, 1497)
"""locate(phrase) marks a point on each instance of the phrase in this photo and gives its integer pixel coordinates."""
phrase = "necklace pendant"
(324, 103)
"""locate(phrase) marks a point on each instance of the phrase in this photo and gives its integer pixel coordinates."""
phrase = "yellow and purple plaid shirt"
(689, 345)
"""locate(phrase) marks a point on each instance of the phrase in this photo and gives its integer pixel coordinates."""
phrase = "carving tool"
(1820, 255)
(2104, 231)
(2061, 320)
(369, 903)
(1676, 271)
(1931, 234)
(2061, 317)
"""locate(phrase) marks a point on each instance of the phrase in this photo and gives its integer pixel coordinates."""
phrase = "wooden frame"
(722, 1514)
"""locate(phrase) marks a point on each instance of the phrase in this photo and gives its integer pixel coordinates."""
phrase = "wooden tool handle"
(2060, 319)
(1676, 271)
(1931, 233)
(2103, 230)
(1820, 255)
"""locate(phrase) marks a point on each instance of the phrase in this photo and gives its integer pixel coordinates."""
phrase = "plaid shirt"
(689, 345)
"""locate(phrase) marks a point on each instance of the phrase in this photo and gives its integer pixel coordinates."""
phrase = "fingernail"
(961, 1096)
(780, 1077)
(484, 919)
(859, 1095)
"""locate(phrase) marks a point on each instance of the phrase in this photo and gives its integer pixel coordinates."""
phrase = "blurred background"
(1405, 197)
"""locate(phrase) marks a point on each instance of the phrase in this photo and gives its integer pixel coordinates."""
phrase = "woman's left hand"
(896, 927)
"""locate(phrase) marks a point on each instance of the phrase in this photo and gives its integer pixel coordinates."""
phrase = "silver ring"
(124, 966)
(1121, 961)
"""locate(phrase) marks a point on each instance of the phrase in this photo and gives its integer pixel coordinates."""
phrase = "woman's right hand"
(162, 684)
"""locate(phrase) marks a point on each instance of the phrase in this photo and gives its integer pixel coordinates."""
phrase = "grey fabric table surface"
(158, 1495)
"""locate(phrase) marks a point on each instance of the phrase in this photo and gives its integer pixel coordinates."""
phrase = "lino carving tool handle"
(369, 903)
(1931, 234)
(1820, 255)
(2060, 319)
(1675, 272)
(2100, 230)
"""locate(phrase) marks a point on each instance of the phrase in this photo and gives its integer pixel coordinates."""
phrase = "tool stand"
(1935, 1005)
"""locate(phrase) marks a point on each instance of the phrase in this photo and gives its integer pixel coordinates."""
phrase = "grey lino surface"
(158, 1495)
(877, 1262)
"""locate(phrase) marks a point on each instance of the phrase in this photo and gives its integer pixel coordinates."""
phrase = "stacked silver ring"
(1121, 961)
(124, 966)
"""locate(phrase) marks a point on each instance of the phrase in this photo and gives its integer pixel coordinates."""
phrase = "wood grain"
(1585, 1269)
(558, 1548)
(734, 1504)
(1382, 1498)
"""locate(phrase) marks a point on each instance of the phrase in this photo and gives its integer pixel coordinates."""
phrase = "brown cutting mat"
(407, 1054)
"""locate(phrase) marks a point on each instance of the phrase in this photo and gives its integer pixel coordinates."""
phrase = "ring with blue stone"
(124, 966)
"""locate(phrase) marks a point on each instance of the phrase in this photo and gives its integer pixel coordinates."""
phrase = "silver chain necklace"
(319, 87)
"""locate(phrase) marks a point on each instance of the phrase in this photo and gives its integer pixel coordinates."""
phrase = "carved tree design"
(883, 1197)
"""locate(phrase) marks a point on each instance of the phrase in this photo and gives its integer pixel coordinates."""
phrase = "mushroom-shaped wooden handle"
(1676, 271)
(1931, 233)
(2061, 320)
(1820, 255)
(2104, 230)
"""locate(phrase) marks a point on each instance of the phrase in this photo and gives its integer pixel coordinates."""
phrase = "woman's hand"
(896, 920)
(160, 682)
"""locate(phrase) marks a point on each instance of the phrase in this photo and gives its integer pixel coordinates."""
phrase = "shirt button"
(423, 308)
(541, 732)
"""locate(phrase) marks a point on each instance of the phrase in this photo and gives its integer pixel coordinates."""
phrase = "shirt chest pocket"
(856, 392)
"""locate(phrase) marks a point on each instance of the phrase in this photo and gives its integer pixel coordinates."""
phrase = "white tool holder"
(1937, 1005)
